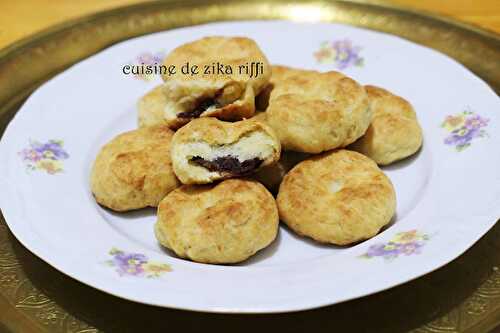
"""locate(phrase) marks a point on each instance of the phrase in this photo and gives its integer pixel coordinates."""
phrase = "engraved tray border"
(463, 296)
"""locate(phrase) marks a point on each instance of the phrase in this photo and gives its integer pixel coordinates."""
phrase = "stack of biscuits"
(212, 149)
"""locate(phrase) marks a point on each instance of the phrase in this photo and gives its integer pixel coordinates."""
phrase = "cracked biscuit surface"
(394, 132)
(134, 169)
(208, 149)
(225, 95)
(340, 197)
(312, 112)
(220, 223)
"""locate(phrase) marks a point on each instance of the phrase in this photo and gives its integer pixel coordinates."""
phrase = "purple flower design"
(463, 128)
(476, 122)
(129, 263)
(462, 137)
(135, 264)
(382, 250)
(148, 58)
(44, 156)
(52, 149)
(403, 243)
(410, 248)
(341, 53)
(143, 65)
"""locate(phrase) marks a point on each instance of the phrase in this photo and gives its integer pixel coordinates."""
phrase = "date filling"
(201, 106)
(229, 164)
(219, 99)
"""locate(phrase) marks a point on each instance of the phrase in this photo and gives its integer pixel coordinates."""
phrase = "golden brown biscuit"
(219, 223)
(151, 107)
(272, 175)
(134, 169)
(208, 149)
(231, 72)
(394, 132)
(259, 116)
(340, 197)
(313, 112)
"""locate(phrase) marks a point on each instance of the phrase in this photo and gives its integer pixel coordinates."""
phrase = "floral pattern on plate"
(403, 243)
(341, 53)
(144, 65)
(135, 264)
(46, 157)
(463, 128)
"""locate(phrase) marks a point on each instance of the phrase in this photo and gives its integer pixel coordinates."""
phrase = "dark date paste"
(201, 105)
(229, 164)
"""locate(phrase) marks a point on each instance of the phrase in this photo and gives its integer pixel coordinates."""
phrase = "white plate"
(448, 195)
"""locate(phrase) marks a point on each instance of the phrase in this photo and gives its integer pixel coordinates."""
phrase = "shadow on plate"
(314, 243)
(310, 241)
(131, 215)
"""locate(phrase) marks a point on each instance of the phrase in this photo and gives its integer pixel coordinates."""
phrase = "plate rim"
(277, 310)
(27, 90)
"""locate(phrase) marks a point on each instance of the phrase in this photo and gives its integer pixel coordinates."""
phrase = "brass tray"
(463, 296)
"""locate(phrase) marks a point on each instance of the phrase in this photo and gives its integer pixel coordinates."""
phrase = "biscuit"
(394, 132)
(271, 176)
(312, 112)
(220, 223)
(259, 116)
(151, 107)
(214, 93)
(208, 149)
(134, 169)
(340, 197)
